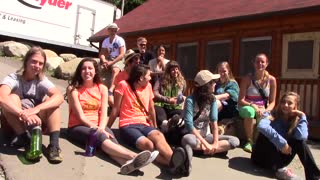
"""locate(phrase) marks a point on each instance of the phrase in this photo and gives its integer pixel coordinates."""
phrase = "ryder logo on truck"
(38, 4)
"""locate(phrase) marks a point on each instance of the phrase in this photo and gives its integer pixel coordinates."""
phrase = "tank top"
(253, 95)
(90, 101)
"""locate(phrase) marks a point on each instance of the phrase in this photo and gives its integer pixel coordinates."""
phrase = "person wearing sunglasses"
(145, 56)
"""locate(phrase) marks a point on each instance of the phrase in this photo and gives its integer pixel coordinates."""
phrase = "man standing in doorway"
(112, 52)
(145, 56)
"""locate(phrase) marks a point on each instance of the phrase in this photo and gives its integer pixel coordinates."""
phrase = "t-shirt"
(114, 47)
(130, 110)
(123, 75)
(153, 64)
(35, 89)
(90, 101)
(193, 118)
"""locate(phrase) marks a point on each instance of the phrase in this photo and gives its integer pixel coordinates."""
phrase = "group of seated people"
(158, 121)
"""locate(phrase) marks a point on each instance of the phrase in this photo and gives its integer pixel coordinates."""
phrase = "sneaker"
(164, 126)
(153, 156)
(248, 147)
(137, 162)
(286, 174)
(175, 121)
(54, 154)
(177, 160)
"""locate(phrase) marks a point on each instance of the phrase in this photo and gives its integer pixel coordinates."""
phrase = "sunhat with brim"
(204, 76)
(129, 55)
(113, 26)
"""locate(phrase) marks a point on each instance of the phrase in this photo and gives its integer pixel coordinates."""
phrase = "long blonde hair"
(227, 65)
(168, 80)
(278, 114)
(34, 50)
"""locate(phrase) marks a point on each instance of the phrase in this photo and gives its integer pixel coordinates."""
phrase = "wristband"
(110, 93)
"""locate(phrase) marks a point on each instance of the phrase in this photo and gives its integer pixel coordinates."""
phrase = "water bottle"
(35, 151)
(180, 98)
(91, 143)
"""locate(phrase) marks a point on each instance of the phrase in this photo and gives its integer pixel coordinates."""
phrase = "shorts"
(130, 134)
(80, 135)
(119, 64)
(247, 112)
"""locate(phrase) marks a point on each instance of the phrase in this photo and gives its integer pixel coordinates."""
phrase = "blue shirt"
(191, 109)
(276, 130)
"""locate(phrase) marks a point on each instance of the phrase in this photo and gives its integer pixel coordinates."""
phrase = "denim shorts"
(130, 134)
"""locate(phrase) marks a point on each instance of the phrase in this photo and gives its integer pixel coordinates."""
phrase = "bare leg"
(51, 118)
(115, 72)
(117, 152)
(248, 127)
(160, 143)
(17, 125)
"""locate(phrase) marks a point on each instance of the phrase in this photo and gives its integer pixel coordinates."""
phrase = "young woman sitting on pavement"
(201, 115)
(88, 104)
(168, 92)
(282, 135)
(257, 94)
(133, 99)
(24, 104)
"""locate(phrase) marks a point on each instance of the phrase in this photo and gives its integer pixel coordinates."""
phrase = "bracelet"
(110, 93)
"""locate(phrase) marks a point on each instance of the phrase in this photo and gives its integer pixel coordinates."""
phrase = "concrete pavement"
(75, 166)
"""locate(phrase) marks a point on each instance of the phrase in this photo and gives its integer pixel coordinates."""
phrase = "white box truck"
(66, 23)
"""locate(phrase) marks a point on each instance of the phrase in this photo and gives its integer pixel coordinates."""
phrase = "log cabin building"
(199, 34)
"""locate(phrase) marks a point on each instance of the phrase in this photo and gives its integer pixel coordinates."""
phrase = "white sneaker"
(286, 174)
(154, 155)
(164, 126)
(136, 163)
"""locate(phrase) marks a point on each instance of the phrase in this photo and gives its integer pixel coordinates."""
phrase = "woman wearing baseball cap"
(200, 113)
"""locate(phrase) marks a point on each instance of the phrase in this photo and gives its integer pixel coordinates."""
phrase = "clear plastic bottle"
(180, 98)
(35, 151)
(91, 143)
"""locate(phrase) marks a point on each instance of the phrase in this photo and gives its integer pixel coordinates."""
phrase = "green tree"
(129, 5)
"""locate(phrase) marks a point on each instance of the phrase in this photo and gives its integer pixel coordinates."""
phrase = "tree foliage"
(128, 5)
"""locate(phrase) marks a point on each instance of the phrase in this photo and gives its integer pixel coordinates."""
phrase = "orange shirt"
(123, 75)
(130, 110)
(90, 101)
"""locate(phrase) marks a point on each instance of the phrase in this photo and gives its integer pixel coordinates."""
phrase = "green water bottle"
(35, 151)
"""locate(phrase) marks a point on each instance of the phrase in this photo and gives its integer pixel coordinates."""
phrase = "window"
(250, 47)
(187, 54)
(217, 51)
(300, 55)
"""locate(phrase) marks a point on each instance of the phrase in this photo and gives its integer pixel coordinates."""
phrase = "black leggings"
(80, 135)
(165, 113)
(266, 155)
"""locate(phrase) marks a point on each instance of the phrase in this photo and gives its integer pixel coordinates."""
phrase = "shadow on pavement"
(245, 165)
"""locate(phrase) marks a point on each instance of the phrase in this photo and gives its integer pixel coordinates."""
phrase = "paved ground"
(76, 166)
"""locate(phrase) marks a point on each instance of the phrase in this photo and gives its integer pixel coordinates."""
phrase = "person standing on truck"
(112, 52)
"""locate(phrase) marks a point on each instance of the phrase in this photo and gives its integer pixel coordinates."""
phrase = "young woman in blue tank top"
(251, 103)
